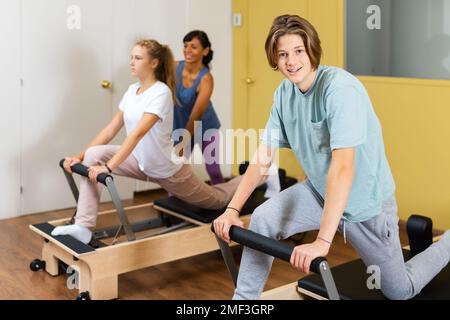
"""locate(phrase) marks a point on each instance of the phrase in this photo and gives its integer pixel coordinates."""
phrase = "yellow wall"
(250, 108)
(239, 67)
(415, 118)
(414, 114)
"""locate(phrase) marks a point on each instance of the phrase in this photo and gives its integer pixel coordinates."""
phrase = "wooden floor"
(200, 277)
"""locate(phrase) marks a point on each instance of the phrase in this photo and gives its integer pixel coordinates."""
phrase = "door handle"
(106, 84)
(249, 81)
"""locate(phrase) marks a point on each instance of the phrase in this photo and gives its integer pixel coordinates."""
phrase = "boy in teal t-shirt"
(335, 113)
(325, 116)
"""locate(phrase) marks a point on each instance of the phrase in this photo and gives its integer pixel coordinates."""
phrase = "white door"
(67, 52)
(10, 108)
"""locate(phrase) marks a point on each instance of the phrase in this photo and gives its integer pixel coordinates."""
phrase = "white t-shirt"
(154, 152)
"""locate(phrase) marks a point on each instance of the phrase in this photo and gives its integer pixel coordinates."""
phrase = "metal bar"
(282, 251)
(136, 227)
(229, 259)
(75, 192)
(182, 225)
(167, 230)
(327, 277)
(72, 185)
(120, 211)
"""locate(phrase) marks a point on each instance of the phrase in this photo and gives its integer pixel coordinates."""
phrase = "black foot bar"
(276, 249)
(420, 233)
(108, 181)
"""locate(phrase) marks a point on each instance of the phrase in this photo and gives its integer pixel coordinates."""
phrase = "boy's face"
(294, 62)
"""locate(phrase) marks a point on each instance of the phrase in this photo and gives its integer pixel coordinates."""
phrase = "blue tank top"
(187, 98)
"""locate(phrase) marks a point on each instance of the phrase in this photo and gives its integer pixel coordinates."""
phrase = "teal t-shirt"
(336, 112)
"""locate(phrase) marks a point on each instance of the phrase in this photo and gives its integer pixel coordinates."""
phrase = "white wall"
(10, 65)
(162, 20)
(63, 105)
(165, 20)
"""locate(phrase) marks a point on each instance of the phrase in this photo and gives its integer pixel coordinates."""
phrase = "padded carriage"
(351, 278)
(207, 216)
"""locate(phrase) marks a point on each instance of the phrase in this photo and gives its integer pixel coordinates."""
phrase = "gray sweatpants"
(299, 209)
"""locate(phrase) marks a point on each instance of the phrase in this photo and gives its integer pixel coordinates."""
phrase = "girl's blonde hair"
(165, 72)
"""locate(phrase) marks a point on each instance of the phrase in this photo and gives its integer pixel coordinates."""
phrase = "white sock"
(78, 232)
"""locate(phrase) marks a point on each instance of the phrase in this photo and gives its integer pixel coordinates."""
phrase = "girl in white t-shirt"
(147, 154)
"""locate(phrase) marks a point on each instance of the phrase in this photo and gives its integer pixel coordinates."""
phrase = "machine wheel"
(37, 265)
(84, 296)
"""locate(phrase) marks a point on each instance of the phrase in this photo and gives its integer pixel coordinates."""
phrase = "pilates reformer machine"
(131, 238)
(349, 278)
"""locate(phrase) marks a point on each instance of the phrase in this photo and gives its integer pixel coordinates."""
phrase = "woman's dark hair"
(204, 41)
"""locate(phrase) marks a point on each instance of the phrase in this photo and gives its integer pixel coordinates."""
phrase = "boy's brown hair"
(293, 24)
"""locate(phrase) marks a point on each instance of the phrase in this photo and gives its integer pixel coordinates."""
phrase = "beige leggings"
(183, 185)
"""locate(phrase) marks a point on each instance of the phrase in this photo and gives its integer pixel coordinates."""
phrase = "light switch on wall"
(237, 19)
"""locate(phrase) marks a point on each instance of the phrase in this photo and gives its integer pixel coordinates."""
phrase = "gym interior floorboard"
(199, 277)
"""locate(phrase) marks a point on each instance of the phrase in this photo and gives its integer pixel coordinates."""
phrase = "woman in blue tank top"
(194, 88)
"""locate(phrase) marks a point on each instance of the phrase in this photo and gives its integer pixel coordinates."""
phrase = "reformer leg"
(51, 261)
(90, 278)
(98, 287)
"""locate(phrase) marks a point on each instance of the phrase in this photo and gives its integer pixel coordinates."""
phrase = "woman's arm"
(338, 186)
(205, 90)
(145, 124)
(256, 174)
